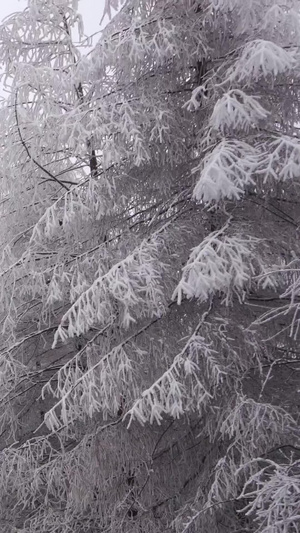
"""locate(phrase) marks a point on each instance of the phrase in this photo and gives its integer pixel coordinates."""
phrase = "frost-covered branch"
(220, 264)
(237, 110)
(226, 172)
(184, 385)
(260, 59)
(272, 496)
(134, 282)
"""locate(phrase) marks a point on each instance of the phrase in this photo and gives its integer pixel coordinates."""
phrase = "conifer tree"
(149, 269)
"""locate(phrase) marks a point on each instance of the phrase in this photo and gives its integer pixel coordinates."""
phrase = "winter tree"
(149, 268)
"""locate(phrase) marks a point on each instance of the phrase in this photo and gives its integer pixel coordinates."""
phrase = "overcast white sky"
(91, 11)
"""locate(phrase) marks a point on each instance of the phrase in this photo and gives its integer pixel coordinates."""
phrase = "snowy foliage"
(261, 59)
(273, 492)
(134, 283)
(236, 110)
(226, 171)
(220, 264)
(149, 268)
(169, 395)
(282, 162)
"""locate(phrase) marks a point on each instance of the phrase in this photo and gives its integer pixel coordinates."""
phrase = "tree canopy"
(149, 268)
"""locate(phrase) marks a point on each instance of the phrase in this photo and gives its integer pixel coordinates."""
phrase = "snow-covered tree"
(149, 269)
